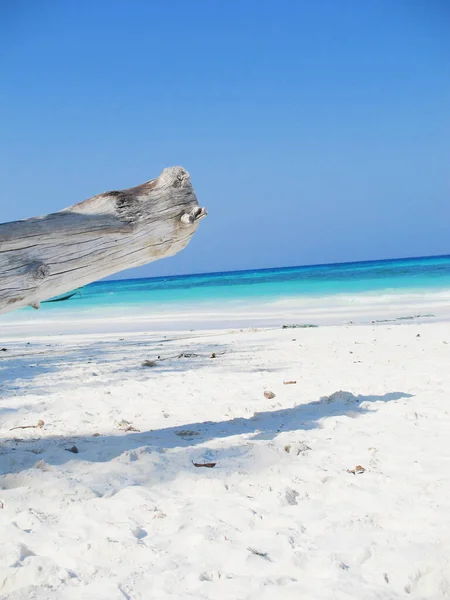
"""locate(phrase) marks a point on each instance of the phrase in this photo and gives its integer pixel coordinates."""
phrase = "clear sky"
(314, 131)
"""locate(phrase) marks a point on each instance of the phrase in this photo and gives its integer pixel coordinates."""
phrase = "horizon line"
(332, 264)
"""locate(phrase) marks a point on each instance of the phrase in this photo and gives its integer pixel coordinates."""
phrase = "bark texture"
(54, 254)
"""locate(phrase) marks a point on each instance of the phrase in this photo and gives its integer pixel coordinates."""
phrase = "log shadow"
(188, 439)
(22, 368)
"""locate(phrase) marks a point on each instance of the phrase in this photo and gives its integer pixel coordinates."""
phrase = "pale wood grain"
(53, 254)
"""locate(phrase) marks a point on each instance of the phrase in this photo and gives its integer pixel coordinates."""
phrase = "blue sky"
(314, 132)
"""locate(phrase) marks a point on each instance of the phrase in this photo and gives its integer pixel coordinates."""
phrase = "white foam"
(330, 310)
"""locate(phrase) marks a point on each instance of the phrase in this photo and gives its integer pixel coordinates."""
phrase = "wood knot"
(41, 271)
(181, 176)
(195, 215)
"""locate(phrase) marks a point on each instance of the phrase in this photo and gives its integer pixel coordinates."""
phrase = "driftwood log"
(54, 254)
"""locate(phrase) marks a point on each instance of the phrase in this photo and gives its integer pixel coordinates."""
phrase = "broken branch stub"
(54, 254)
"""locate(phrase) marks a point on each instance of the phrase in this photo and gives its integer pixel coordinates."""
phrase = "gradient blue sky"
(314, 131)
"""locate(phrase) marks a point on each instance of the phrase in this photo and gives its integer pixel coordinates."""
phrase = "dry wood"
(40, 424)
(54, 254)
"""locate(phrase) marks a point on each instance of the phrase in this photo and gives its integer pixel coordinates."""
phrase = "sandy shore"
(279, 515)
(339, 309)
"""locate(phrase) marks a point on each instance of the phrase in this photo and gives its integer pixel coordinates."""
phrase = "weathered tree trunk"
(47, 256)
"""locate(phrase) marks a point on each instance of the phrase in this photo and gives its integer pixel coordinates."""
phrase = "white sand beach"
(337, 487)
(225, 300)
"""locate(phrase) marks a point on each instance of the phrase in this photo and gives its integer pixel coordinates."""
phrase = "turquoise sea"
(384, 277)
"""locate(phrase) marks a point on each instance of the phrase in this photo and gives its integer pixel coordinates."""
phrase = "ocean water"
(387, 276)
(323, 293)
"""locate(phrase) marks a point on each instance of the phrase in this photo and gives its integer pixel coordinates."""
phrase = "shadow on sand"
(27, 364)
(263, 425)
